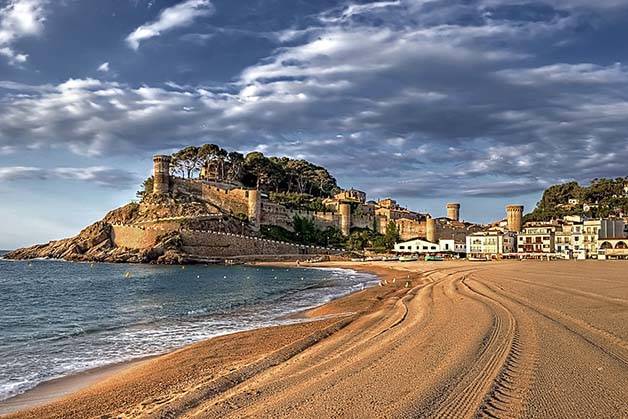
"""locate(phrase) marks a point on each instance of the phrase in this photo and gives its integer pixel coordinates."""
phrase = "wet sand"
(448, 339)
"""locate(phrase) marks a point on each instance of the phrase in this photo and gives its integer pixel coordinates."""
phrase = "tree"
(146, 188)
(391, 236)
(236, 166)
(186, 161)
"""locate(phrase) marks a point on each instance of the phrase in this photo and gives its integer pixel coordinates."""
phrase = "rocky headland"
(96, 243)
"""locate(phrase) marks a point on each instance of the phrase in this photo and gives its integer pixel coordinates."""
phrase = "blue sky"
(485, 102)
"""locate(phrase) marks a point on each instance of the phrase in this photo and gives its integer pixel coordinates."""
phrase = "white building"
(486, 244)
(537, 239)
(418, 246)
(451, 246)
(564, 246)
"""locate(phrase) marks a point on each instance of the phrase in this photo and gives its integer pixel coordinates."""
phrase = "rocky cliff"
(96, 243)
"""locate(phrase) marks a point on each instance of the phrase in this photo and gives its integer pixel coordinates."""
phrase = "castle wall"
(187, 186)
(235, 201)
(135, 237)
(276, 214)
(210, 244)
(410, 229)
(214, 244)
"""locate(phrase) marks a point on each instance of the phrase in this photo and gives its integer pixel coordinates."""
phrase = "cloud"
(585, 73)
(104, 67)
(180, 15)
(419, 98)
(19, 19)
(103, 176)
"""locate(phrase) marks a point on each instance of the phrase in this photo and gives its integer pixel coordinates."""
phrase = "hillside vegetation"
(601, 198)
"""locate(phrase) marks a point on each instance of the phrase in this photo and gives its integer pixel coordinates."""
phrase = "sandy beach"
(444, 339)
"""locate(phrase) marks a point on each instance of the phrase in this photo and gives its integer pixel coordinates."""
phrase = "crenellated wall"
(276, 214)
(410, 229)
(215, 244)
(211, 244)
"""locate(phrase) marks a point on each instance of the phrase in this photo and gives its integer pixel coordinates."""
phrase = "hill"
(601, 198)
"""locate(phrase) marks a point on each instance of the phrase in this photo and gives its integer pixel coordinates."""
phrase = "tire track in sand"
(492, 386)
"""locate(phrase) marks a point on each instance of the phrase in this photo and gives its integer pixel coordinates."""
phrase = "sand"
(440, 339)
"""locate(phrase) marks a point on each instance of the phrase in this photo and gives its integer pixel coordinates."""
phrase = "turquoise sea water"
(59, 318)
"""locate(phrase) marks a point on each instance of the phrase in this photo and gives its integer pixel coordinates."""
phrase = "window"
(402, 247)
(424, 247)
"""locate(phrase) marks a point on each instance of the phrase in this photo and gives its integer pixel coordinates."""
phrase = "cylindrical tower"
(255, 207)
(514, 217)
(345, 218)
(453, 211)
(161, 174)
(430, 230)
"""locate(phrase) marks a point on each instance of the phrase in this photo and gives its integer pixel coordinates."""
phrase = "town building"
(420, 246)
(417, 246)
(613, 239)
(489, 244)
(537, 240)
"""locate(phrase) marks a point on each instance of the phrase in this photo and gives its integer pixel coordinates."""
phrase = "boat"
(390, 258)
(408, 258)
(429, 258)
(357, 259)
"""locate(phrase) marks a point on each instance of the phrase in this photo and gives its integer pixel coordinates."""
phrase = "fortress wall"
(275, 214)
(186, 185)
(135, 237)
(410, 229)
(214, 244)
(363, 221)
(235, 201)
(322, 219)
(210, 244)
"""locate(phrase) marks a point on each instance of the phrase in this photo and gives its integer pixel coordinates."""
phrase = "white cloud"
(19, 19)
(104, 67)
(180, 15)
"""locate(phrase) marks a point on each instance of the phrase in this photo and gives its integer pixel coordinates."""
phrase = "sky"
(483, 102)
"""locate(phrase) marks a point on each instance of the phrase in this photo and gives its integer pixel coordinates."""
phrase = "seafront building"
(425, 247)
(572, 237)
(537, 240)
(491, 243)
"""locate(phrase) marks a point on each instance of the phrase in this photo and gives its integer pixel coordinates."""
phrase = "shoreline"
(412, 347)
(56, 389)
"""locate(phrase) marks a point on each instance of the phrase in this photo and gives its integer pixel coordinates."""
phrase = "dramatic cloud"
(19, 19)
(180, 15)
(417, 98)
(103, 176)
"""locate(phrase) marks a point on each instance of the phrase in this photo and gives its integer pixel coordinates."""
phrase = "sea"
(59, 318)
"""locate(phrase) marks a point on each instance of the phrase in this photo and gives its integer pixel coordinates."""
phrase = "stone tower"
(255, 207)
(345, 218)
(453, 211)
(430, 230)
(161, 174)
(514, 217)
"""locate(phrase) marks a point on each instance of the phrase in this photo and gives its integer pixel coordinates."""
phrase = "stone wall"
(135, 237)
(276, 214)
(209, 244)
(234, 201)
(410, 229)
(212, 244)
